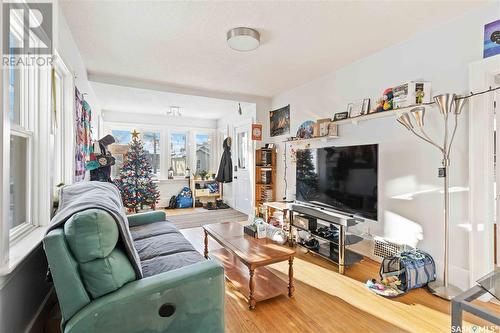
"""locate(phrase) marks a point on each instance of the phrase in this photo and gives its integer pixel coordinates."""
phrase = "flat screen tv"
(341, 178)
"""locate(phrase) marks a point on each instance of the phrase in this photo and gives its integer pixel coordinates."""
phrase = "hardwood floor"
(182, 211)
(325, 301)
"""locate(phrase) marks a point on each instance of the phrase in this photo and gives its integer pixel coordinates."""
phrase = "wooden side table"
(273, 206)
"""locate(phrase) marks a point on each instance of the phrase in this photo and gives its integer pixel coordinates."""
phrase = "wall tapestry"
(83, 133)
(491, 39)
(280, 121)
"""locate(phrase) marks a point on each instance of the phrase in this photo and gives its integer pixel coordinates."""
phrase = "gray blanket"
(106, 196)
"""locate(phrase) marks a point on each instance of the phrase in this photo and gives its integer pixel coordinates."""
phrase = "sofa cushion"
(102, 276)
(169, 262)
(162, 245)
(152, 229)
(91, 234)
(162, 248)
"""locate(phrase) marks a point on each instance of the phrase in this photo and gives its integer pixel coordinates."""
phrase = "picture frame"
(279, 121)
(340, 116)
(321, 127)
(491, 40)
(256, 132)
(366, 106)
(355, 109)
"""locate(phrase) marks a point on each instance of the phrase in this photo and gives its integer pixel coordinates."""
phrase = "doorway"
(243, 168)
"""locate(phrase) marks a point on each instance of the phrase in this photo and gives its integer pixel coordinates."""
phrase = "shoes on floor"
(211, 206)
(312, 244)
(220, 204)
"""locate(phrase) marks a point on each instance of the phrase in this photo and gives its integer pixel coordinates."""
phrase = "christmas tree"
(135, 180)
(308, 187)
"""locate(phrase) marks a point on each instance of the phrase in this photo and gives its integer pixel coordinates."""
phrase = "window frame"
(159, 172)
(186, 134)
(211, 161)
(165, 150)
(34, 125)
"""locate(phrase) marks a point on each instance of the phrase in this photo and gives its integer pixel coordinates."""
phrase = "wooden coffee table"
(242, 254)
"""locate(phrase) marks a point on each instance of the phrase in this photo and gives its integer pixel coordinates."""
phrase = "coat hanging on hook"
(225, 173)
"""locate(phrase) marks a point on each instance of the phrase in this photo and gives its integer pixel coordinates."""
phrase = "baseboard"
(36, 324)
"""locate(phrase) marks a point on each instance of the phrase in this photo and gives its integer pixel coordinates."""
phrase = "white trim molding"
(481, 168)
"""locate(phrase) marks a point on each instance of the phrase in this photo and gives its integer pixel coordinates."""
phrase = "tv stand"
(332, 249)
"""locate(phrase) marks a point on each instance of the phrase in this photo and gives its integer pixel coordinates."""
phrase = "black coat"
(225, 174)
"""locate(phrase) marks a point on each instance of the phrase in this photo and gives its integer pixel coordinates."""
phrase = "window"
(21, 88)
(151, 141)
(18, 212)
(203, 152)
(122, 137)
(242, 149)
(178, 156)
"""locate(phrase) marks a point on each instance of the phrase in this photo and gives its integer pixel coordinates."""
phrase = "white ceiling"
(184, 43)
(144, 101)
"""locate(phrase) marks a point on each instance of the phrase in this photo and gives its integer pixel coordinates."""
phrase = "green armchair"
(99, 292)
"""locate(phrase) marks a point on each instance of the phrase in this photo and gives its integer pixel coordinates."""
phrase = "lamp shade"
(405, 120)
(418, 114)
(459, 104)
(445, 102)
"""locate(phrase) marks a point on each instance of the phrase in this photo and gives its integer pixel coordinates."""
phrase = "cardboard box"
(406, 94)
(333, 129)
(321, 127)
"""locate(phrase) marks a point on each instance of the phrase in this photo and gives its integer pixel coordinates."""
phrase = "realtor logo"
(27, 33)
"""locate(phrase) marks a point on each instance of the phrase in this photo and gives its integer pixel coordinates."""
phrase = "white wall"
(70, 54)
(406, 165)
(157, 120)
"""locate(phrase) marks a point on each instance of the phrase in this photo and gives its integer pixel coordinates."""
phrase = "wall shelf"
(383, 114)
(265, 176)
(319, 138)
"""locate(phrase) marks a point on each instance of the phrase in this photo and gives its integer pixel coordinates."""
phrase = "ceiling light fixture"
(174, 111)
(243, 39)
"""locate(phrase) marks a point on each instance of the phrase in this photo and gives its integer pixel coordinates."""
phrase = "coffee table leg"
(251, 284)
(205, 252)
(291, 287)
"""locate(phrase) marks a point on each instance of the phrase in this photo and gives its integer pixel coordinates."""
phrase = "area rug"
(199, 219)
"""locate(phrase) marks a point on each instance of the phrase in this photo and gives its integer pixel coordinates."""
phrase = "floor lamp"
(449, 105)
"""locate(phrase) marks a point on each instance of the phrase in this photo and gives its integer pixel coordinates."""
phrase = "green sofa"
(98, 291)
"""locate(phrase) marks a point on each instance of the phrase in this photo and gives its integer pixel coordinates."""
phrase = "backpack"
(185, 198)
(172, 204)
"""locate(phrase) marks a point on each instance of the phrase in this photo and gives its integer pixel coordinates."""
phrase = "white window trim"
(35, 125)
(67, 118)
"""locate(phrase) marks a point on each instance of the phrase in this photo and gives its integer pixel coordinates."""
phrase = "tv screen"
(342, 178)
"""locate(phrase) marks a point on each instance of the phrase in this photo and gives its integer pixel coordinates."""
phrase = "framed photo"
(491, 39)
(257, 132)
(341, 115)
(280, 121)
(355, 109)
(366, 106)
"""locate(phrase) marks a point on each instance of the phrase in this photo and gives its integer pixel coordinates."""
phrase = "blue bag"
(185, 198)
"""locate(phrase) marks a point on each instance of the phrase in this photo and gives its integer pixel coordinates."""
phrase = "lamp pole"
(448, 104)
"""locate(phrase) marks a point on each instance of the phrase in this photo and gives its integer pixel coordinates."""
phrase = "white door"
(242, 164)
